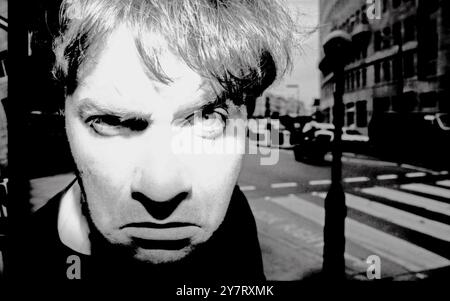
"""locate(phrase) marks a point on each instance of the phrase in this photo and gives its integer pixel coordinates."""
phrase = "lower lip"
(162, 234)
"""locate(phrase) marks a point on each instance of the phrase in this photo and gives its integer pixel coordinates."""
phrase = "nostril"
(159, 209)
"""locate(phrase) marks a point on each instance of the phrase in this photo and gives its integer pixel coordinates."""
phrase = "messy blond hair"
(239, 45)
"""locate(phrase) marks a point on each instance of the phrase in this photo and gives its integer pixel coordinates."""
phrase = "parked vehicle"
(412, 137)
(314, 141)
(354, 141)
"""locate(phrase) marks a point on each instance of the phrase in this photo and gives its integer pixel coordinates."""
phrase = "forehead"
(119, 71)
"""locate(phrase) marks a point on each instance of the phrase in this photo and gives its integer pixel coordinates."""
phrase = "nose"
(161, 181)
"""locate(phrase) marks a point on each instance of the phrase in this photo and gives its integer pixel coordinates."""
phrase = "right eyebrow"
(91, 107)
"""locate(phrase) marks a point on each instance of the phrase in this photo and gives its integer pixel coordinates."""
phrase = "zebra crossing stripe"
(320, 182)
(409, 199)
(397, 216)
(356, 179)
(414, 258)
(387, 177)
(445, 183)
(283, 185)
(428, 189)
(415, 174)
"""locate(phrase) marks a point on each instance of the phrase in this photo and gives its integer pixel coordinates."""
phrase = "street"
(398, 212)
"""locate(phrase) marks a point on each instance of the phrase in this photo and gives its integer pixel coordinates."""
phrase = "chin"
(162, 256)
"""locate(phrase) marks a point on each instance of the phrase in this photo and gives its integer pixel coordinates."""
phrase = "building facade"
(400, 57)
(3, 86)
(274, 105)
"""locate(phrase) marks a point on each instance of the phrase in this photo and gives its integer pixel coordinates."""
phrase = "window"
(409, 68)
(397, 33)
(361, 113)
(387, 70)
(352, 81)
(364, 52)
(428, 49)
(347, 82)
(358, 78)
(376, 67)
(364, 76)
(397, 68)
(377, 41)
(350, 113)
(410, 29)
(386, 37)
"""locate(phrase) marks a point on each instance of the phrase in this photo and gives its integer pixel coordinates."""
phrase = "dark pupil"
(134, 124)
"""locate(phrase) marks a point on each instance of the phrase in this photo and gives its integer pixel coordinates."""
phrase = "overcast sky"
(305, 72)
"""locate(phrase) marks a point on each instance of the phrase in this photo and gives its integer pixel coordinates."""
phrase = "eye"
(209, 123)
(109, 125)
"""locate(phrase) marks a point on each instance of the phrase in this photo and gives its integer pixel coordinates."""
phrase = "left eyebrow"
(209, 99)
(192, 108)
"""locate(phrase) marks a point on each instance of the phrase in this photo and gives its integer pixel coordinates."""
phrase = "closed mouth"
(161, 236)
(156, 226)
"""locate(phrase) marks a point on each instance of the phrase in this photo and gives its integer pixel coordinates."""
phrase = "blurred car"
(354, 141)
(411, 137)
(314, 141)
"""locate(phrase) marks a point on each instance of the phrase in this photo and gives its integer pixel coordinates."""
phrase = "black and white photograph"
(253, 142)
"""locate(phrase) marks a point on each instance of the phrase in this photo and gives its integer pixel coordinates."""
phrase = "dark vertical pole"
(400, 82)
(18, 96)
(335, 208)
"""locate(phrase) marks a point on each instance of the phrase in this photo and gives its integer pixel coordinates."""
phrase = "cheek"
(214, 179)
(103, 166)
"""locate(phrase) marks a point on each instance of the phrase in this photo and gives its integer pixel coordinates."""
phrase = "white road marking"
(368, 161)
(320, 182)
(415, 174)
(387, 177)
(445, 183)
(283, 185)
(433, 190)
(408, 198)
(404, 253)
(247, 188)
(356, 179)
(419, 168)
(399, 217)
(444, 172)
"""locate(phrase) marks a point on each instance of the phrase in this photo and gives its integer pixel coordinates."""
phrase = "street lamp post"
(337, 46)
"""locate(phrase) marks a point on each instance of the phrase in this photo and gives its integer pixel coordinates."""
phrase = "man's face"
(140, 191)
